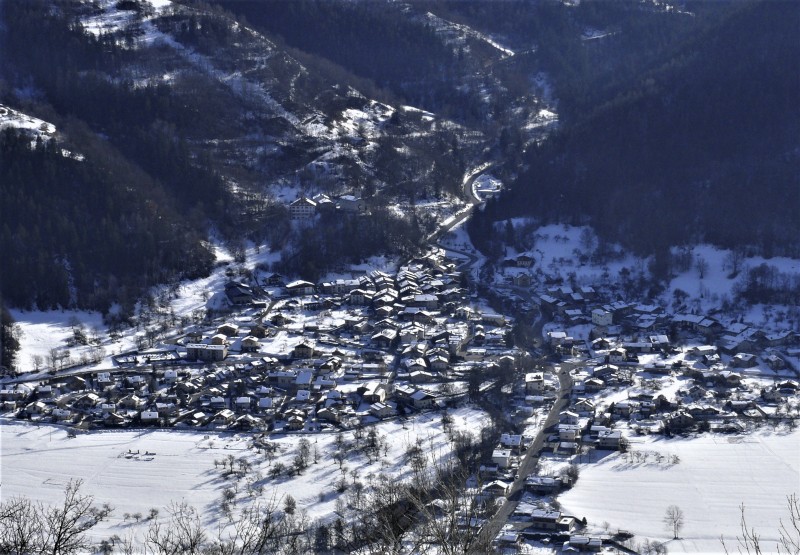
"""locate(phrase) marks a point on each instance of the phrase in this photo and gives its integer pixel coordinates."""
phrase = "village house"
(534, 382)
(228, 330)
(250, 344)
(543, 485)
(302, 209)
(206, 353)
(352, 204)
(303, 350)
(548, 519)
(601, 317)
(239, 293)
(381, 410)
(502, 457)
(300, 288)
(556, 338)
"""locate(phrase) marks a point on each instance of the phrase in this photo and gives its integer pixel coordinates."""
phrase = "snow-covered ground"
(42, 331)
(10, 118)
(716, 474)
(135, 471)
(708, 284)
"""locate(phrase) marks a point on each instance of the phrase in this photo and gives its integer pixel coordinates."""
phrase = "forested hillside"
(701, 145)
(677, 123)
(398, 47)
(188, 121)
(89, 231)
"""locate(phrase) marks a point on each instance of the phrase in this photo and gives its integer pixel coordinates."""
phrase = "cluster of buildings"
(332, 354)
(304, 208)
(642, 370)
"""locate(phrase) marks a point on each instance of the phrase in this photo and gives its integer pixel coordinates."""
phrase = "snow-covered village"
(408, 278)
(308, 390)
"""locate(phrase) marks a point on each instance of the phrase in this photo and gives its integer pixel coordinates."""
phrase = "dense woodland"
(376, 41)
(132, 210)
(700, 146)
(81, 233)
(9, 338)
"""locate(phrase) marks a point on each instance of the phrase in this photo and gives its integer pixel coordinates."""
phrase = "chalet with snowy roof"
(609, 439)
(744, 360)
(726, 378)
(702, 351)
(617, 356)
(300, 288)
(439, 362)
(218, 339)
(132, 402)
(588, 293)
(324, 203)
(575, 316)
(548, 519)
(584, 407)
(373, 392)
(228, 329)
(149, 417)
(381, 410)
(557, 338)
(582, 544)
(496, 488)
(502, 457)
(239, 293)
(329, 414)
(86, 401)
(659, 341)
(339, 286)
(104, 380)
(524, 261)
(493, 318)
(385, 339)
(534, 382)
(569, 432)
(543, 485)
(512, 441)
(777, 339)
(605, 371)
(250, 344)
(775, 362)
(303, 350)
(636, 347)
(60, 415)
(421, 399)
(601, 317)
(508, 538)
(521, 280)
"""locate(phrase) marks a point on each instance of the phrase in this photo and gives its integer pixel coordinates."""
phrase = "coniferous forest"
(699, 144)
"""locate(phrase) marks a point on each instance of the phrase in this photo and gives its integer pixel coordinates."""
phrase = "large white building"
(302, 209)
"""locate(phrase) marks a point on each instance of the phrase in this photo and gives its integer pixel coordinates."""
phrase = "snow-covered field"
(135, 471)
(715, 475)
(43, 331)
(10, 118)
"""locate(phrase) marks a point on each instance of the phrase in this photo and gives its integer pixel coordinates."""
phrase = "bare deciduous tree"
(788, 533)
(27, 527)
(181, 533)
(674, 520)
